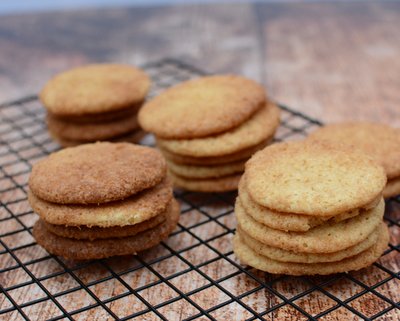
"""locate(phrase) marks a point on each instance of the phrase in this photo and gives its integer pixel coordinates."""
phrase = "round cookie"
(260, 127)
(91, 131)
(326, 238)
(132, 137)
(197, 171)
(392, 188)
(103, 248)
(77, 175)
(247, 256)
(202, 107)
(313, 179)
(243, 154)
(207, 185)
(133, 210)
(278, 254)
(82, 232)
(94, 89)
(380, 141)
(285, 221)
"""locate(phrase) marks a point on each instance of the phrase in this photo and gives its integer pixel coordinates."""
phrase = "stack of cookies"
(95, 103)
(379, 141)
(102, 199)
(306, 208)
(208, 127)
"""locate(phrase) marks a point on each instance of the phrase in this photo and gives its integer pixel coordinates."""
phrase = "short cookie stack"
(307, 208)
(100, 200)
(95, 103)
(379, 141)
(208, 127)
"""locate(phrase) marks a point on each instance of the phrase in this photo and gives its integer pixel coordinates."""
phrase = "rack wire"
(191, 276)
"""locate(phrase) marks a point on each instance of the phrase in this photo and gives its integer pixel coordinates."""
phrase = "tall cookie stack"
(100, 200)
(306, 208)
(379, 141)
(95, 103)
(208, 127)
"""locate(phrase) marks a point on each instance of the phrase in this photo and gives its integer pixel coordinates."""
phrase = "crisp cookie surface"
(97, 249)
(278, 254)
(95, 89)
(326, 238)
(210, 171)
(202, 107)
(380, 141)
(96, 173)
(132, 210)
(313, 179)
(82, 232)
(243, 154)
(392, 188)
(284, 221)
(259, 128)
(247, 256)
(207, 185)
(92, 131)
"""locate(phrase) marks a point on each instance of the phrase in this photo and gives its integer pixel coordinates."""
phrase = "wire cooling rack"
(193, 275)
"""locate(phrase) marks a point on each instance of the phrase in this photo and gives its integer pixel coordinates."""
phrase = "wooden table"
(332, 61)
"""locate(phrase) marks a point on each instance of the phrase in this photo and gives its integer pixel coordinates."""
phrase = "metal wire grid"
(194, 272)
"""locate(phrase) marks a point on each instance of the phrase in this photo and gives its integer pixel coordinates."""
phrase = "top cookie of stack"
(379, 141)
(208, 127)
(94, 103)
(306, 208)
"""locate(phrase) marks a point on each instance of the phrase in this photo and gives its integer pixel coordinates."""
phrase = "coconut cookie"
(95, 102)
(103, 199)
(308, 208)
(207, 129)
(379, 141)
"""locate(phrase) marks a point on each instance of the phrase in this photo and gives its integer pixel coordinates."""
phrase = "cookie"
(132, 210)
(82, 232)
(210, 171)
(392, 188)
(132, 137)
(207, 185)
(94, 89)
(241, 155)
(380, 141)
(202, 107)
(91, 131)
(247, 256)
(259, 128)
(326, 238)
(278, 254)
(103, 248)
(313, 179)
(285, 221)
(78, 175)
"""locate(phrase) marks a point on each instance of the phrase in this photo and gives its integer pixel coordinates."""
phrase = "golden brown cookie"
(96, 173)
(380, 141)
(102, 248)
(259, 128)
(202, 107)
(210, 171)
(392, 188)
(247, 256)
(94, 89)
(82, 232)
(207, 185)
(91, 131)
(313, 179)
(132, 210)
(281, 255)
(243, 154)
(325, 238)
